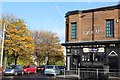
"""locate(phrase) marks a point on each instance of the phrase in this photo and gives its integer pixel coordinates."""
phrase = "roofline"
(92, 10)
(91, 43)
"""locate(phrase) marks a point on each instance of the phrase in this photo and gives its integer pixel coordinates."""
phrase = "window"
(93, 57)
(86, 57)
(74, 29)
(76, 51)
(110, 28)
(99, 57)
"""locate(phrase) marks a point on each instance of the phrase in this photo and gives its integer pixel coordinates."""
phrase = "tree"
(47, 44)
(18, 39)
(59, 63)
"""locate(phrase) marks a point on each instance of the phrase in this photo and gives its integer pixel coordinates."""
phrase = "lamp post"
(3, 36)
(46, 60)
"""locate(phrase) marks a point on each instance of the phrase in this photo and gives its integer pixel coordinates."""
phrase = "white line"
(58, 9)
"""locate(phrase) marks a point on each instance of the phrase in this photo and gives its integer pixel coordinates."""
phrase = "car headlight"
(4, 70)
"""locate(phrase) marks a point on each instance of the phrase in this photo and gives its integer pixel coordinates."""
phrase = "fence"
(92, 73)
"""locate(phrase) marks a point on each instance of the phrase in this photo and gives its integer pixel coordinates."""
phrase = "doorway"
(113, 66)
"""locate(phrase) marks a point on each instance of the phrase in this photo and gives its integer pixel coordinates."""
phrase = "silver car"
(13, 70)
(52, 69)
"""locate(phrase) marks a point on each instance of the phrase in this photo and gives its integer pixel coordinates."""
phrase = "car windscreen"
(49, 67)
(61, 67)
(11, 67)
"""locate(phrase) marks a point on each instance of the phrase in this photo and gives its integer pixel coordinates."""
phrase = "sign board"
(86, 50)
(113, 53)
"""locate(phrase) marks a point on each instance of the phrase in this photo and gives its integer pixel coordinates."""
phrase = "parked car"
(1, 70)
(41, 68)
(13, 70)
(62, 68)
(30, 69)
(52, 69)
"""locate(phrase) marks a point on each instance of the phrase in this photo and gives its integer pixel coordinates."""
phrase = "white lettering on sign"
(86, 50)
(91, 32)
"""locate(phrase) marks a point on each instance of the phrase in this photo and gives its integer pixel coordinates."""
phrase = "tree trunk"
(16, 58)
(5, 60)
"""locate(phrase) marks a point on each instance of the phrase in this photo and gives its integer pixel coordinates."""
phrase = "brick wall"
(92, 25)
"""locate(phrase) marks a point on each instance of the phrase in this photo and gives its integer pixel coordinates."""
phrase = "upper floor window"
(73, 30)
(110, 28)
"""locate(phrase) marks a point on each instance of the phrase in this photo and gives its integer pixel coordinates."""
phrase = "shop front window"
(99, 57)
(86, 57)
(93, 57)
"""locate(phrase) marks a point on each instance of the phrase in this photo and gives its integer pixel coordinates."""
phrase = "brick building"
(93, 38)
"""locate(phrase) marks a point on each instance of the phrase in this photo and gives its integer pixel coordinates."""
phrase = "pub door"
(113, 65)
(76, 61)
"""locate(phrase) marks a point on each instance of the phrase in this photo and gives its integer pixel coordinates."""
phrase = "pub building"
(92, 39)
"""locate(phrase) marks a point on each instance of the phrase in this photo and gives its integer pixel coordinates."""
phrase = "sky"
(50, 16)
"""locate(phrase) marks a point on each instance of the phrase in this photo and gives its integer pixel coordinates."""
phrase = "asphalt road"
(37, 76)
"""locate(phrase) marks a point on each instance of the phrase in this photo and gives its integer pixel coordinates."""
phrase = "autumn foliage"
(18, 40)
(22, 45)
(47, 44)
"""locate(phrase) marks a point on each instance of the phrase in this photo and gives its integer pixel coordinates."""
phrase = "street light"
(46, 60)
(3, 36)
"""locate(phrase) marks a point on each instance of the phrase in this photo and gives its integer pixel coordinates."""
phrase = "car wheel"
(35, 71)
(15, 74)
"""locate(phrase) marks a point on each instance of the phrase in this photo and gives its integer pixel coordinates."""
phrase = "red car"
(30, 69)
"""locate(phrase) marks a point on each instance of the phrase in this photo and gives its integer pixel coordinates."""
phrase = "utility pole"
(3, 37)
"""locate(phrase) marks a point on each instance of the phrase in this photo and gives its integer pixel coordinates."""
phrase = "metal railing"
(92, 73)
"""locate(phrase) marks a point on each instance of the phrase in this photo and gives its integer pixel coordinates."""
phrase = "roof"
(92, 10)
(91, 43)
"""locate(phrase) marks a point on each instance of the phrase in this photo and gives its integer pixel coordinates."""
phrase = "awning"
(91, 43)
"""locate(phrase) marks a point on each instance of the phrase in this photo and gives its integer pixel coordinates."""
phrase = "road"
(37, 76)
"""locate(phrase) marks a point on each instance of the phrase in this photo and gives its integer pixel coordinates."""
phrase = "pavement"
(114, 78)
(67, 76)
(74, 76)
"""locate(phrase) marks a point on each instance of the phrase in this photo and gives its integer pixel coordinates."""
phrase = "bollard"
(97, 74)
(78, 73)
(64, 72)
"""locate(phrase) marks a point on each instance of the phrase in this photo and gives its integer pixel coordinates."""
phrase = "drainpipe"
(92, 53)
(92, 26)
(119, 23)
